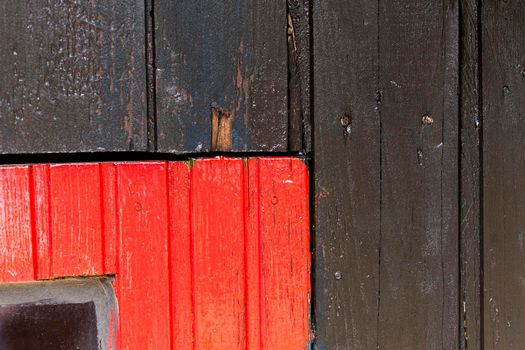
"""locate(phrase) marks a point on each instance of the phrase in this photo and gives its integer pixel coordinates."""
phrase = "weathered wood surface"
(418, 281)
(73, 76)
(230, 55)
(83, 76)
(347, 175)
(503, 84)
(470, 179)
(385, 166)
(213, 253)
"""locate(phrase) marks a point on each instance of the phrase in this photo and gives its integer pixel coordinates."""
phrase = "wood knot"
(427, 120)
(221, 129)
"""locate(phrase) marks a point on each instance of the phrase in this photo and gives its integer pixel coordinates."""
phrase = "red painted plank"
(218, 254)
(253, 266)
(143, 276)
(42, 220)
(16, 249)
(180, 255)
(76, 220)
(109, 210)
(284, 230)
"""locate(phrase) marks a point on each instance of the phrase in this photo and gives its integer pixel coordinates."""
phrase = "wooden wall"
(409, 111)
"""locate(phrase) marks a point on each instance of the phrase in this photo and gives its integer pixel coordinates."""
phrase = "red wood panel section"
(42, 220)
(217, 206)
(209, 254)
(142, 275)
(253, 255)
(108, 189)
(182, 307)
(76, 220)
(285, 244)
(16, 253)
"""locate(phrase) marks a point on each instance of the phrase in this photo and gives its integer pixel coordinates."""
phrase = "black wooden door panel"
(72, 76)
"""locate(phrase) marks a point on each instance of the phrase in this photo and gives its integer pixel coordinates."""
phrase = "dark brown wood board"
(386, 174)
(229, 57)
(418, 77)
(73, 76)
(347, 175)
(503, 85)
(470, 176)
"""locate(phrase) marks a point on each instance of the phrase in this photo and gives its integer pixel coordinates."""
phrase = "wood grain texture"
(385, 167)
(299, 50)
(503, 83)
(228, 54)
(181, 255)
(108, 206)
(76, 220)
(217, 210)
(207, 254)
(418, 307)
(73, 76)
(16, 262)
(347, 174)
(142, 283)
(284, 248)
(252, 254)
(42, 223)
(470, 178)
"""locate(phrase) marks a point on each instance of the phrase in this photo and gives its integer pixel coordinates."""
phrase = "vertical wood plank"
(42, 219)
(418, 77)
(143, 275)
(503, 83)
(252, 254)
(285, 258)
(229, 54)
(73, 76)
(108, 208)
(76, 220)
(16, 240)
(470, 176)
(218, 253)
(299, 52)
(182, 308)
(346, 163)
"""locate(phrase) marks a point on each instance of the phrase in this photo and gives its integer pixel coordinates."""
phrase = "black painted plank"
(470, 177)
(386, 214)
(231, 54)
(418, 76)
(299, 98)
(72, 76)
(503, 85)
(346, 173)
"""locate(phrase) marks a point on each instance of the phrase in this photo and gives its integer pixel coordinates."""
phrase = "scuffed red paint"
(208, 255)
(16, 253)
